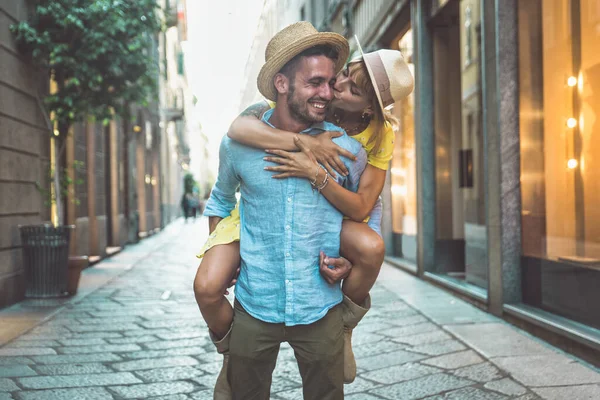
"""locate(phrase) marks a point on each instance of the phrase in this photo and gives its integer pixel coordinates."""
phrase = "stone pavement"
(139, 335)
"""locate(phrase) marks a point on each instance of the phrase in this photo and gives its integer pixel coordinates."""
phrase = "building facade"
(493, 187)
(131, 169)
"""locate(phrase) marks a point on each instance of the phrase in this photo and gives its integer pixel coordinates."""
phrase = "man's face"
(311, 90)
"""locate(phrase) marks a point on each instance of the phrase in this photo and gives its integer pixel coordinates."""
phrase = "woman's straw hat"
(389, 75)
(291, 41)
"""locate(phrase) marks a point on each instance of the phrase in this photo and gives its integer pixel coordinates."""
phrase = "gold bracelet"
(324, 183)
(314, 183)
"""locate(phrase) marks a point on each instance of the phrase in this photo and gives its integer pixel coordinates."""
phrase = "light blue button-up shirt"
(284, 225)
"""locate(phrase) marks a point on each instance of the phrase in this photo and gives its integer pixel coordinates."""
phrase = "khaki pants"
(318, 347)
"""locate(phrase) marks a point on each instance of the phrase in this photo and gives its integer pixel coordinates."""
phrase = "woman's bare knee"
(363, 246)
(215, 273)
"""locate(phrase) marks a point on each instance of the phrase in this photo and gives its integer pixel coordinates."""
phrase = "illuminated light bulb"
(572, 163)
(137, 128)
(571, 122)
(56, 132)
(572, 81)
(147, 179)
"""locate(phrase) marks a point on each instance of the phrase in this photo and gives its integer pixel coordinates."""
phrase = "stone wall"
(24, 149)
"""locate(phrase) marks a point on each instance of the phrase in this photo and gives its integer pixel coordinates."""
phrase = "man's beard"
(299, 109)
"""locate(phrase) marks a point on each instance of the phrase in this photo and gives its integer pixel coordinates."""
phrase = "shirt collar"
(319, 126)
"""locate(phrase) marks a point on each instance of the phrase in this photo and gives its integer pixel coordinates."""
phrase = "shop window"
(403, 167)
(559, 67)
(461, 232)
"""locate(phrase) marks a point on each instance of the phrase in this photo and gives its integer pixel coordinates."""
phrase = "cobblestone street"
(141, 336)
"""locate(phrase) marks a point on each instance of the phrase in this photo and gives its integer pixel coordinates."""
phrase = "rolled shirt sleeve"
(222, 198)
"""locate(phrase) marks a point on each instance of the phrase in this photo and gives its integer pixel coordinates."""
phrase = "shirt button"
(287, 281)
(287, 227)
(289, 199)
(287, 254)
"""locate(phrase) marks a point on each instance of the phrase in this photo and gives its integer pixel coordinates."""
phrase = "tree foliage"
(99, 52)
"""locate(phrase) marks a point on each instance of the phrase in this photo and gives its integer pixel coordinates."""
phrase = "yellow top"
(382, 158)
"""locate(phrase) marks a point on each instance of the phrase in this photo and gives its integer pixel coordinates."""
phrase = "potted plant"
(100, 58)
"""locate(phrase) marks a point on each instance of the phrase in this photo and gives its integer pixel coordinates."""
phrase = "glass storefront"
(559, 68)
(403, 167)
(461, 242)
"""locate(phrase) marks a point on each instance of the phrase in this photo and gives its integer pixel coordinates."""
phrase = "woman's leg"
(365, 249)
(212, 279)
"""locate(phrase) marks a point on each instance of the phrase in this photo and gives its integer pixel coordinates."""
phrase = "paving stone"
(103, 348)
(468, 394)
(170, 397)
(498, 340)
(104, 328)
(438, 348)
(410, 330)
(31, 343)
(358, 339)
(215, 367)
(528, 396)
(424, 338)
(483, 372)
(421, 387)
(82, 342)
(147, 390)
(66, 381)
(77, 358)
(387, 359)
(207, 381)
(169, 374)
(202, 395)
(578, 392)
(15, 371)
(359, 385)
(177, 351)
(145, 332)
(406, 320)
(360, 396)
(110, 320)
(178, 343)
(134, 339)
(455, 360)
(15, 360)
(182, 335)
(25, 351)
(5, 396)
(506, 386)
(377, 347)
(92, 393)
(544, 370)
(295, 394)
(400, 373)
(154, 363)
(368, 326)
(7, 385)
(167, 324)
(92, 335)
(73, 369)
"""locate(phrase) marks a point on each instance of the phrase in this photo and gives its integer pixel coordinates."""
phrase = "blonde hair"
(358, 71)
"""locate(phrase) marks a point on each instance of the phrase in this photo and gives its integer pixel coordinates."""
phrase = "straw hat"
(389, 75)
(291, 41)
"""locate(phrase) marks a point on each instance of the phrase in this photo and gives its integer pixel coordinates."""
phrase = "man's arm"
(222, 198)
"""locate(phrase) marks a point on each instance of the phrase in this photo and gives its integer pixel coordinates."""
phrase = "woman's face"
(347, 95)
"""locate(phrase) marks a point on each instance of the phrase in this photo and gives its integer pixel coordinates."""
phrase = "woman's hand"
(328, 153)
(301, 164)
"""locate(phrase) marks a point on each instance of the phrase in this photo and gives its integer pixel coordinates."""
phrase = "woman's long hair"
(358, 71)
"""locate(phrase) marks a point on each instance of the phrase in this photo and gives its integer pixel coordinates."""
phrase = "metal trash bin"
(45, 250)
